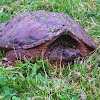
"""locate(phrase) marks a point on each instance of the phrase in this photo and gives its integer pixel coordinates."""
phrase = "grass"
(38, 81)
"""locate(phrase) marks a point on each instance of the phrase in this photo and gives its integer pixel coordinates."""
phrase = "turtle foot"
(5, 62)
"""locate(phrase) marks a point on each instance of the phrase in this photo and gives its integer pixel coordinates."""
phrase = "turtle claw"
(5, 62)
(5, 59)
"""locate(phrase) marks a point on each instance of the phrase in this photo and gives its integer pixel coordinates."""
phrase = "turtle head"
(69, 54)
(64, 54)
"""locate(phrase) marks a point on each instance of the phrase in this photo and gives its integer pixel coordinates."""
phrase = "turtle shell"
(31, 29)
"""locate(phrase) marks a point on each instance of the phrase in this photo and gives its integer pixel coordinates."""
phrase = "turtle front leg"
(21, 55)
(13, 56)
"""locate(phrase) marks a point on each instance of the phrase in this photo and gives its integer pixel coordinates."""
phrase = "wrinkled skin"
(64, 49)
(64, 54)
(56, 35)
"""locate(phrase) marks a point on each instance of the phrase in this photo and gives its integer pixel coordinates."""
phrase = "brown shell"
(30, 29)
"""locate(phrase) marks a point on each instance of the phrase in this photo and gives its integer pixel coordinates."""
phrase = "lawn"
(37, 80)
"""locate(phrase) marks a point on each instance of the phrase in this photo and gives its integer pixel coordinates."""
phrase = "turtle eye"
(63, 25)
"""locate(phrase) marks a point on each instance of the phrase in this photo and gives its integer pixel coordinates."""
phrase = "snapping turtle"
(56, 35)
